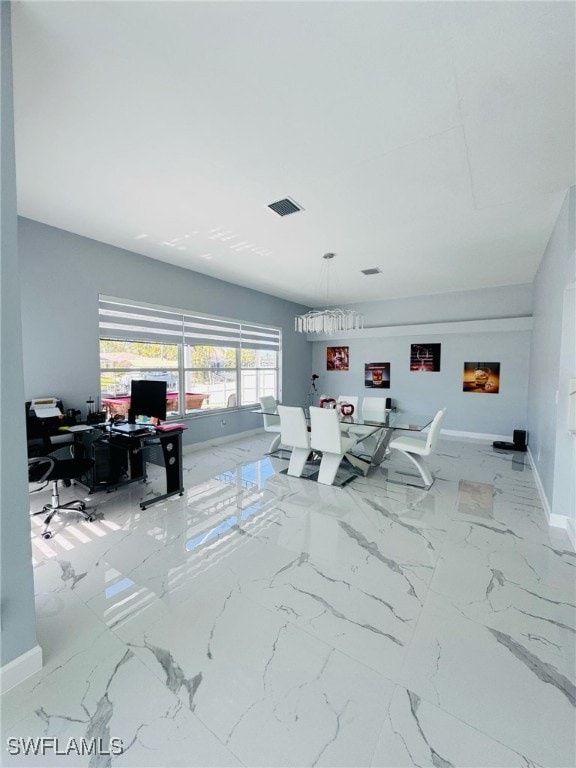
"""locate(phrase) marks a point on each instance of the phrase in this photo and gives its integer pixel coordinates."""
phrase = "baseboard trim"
(474, 435)
(571, 532)
(20, 669)
(555, 521)
(192, 447)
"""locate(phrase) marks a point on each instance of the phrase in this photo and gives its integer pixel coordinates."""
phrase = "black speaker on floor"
(520, 442)
(520, 439)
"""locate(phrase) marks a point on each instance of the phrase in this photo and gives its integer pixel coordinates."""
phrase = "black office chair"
(58, 465)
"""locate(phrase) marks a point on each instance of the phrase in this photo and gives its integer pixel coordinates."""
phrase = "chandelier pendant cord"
(328, 257)
(328, 320)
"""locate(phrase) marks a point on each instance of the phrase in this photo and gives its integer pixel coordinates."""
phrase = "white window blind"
(129, 321)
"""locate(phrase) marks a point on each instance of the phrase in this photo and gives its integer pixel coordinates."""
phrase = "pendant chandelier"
(328, 320)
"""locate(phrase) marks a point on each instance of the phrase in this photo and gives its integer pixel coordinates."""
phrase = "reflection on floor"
(264, 620)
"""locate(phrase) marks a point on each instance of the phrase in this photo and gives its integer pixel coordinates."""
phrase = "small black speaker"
(520, 439)
(389, 402)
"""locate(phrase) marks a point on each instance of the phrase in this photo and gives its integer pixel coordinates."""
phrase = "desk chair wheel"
(47, 535)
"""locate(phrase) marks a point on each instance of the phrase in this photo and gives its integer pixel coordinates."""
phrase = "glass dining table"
(373, 436)
(378, 434)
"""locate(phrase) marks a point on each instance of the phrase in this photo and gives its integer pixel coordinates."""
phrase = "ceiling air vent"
(371, 271)
(285, 207)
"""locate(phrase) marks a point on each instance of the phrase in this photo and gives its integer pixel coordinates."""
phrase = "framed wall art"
(481, 378)
(337, 358)
(377, 375)
(425, 357)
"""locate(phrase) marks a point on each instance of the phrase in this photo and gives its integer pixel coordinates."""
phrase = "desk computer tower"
(110, 464)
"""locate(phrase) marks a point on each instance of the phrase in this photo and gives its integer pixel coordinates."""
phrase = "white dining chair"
(295, 434)
(271, 420)
(371, 409)
(327, 438)
(374, 408)
(416, 449)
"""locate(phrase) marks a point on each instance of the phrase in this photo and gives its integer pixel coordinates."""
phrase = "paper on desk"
(46, 411)
(79, 428)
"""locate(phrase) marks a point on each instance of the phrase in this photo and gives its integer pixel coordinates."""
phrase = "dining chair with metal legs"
(327, 438)
(416, 449)
(295, 434)
(271, 420)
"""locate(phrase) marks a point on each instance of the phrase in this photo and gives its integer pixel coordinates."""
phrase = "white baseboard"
(219, 440)
(555, 521)
(20, 669)
(571, 531)
(475, 435)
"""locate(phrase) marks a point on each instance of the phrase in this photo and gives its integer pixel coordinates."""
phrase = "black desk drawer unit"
(110, 463)
(120, 459)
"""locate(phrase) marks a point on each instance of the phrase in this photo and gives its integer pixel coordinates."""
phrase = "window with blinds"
(209, 363)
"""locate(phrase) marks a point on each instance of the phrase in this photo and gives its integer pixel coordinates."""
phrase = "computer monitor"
(147, 398)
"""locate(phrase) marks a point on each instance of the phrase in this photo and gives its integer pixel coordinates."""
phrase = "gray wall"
(60, 334)
(62, 275)
(490, 414)
(17, 588)
(553, 361)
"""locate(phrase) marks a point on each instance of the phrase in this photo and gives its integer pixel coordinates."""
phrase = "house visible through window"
(208, 363)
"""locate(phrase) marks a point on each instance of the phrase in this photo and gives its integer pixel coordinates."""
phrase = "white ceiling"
(432, 140)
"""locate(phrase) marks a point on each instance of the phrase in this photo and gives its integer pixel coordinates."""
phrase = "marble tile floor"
(264, 620)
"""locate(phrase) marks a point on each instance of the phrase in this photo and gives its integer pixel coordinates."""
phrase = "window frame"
(130, 332)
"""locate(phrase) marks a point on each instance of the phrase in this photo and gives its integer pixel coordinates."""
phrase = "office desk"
(170, 444)
(121, 458)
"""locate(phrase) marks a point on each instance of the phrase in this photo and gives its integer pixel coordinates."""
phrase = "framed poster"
(337, 358)
(481, 378)
(425, 357)
(377, 375)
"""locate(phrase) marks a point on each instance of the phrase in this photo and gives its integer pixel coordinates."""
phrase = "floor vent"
(285, 207)
(371, 271)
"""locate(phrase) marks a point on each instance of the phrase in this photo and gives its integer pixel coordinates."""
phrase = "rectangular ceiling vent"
(371, 271)
(285, 207)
